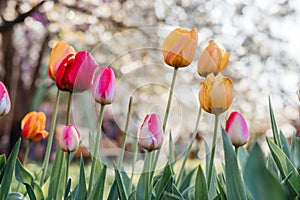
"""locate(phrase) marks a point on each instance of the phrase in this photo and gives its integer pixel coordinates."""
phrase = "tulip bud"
(212, 60)
(151, 133)
(33, 125)
(237, 129)
(104, 88)
(179, 47)
(75, 73)
(58, 53)
(68, 138)
(216, 94)
(4, 100)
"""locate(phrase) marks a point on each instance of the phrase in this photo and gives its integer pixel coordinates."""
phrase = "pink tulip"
(76, 72)
(68, 140)
(104, 89)
(4, 100)
(151, 133)
(237, 129)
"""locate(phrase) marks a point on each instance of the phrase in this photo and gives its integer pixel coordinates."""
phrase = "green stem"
(236, 149)
(69, 108)
(67, 168)
(212, 156)
(95, 153)
(133, 162)
(148, 190)
(125, 133)
(189, 147)
(50, 139)
(26, 153)
(166, 112)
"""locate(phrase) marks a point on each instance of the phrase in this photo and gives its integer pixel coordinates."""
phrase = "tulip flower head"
(104, 88)
(237, 129)
(58, 53)
(4, 100)
(76, 71)
(216, 94)
(68, 138)
(151, 133)
(212, 60)
(33, 126)
(179, 47)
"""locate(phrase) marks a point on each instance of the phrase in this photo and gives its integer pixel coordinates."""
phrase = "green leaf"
(37, 191)
(189, 193)
(242, 157)
(171, 150)
(272, 167)
(126, 181)
(8, 171)
(120, 185)
(56, 177)
(164, 183)
(30, 191)
(201, 192)
(234, 184)
(132, 195)
(285, 166)
(98, 189)
(176, 192)
(80, 190)
(274, 125)
(15, 196)
(285, 145)
(113, 193)
(185, 183)
(259, 181)
(22, 175)
(68, 188)
(212, 190)
(2, 161)
(295, 152)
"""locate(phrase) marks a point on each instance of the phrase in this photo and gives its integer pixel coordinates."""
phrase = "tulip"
(179, 47)
(58, 53)
(212, 60)
(76, 72)
(237, 129)
(151, 134)
(4, 100)
(33, 125)
(216, 94)
(104, 88)
(68, 139)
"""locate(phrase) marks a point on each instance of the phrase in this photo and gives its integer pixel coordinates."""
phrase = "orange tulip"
(212, 60)
(33, 125)
(58, 53)
(179, 47)
(216, 94)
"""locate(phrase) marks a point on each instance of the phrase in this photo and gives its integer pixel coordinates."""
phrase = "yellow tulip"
(216, 94)
(33, 125)
(179, 47)
(58, 53)
(212, 60)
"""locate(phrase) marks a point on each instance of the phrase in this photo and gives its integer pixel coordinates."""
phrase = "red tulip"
(58, 53)
(237, 129)
(68, 139)
(151, 133)
(76, 72)
(4, 100)
(104, 89)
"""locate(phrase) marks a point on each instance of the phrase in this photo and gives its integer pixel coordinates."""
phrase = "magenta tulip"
(237, 129)
(4, 100)
(76, 71)
(151, 133)
(68, 139)
(104, 88)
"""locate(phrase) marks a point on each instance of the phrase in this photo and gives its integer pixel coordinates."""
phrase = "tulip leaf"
(2, 161)
(295, 152)
(285, 166)
(189, 193)
(8, 171)
(15, 196)
(22, 175)
(274, 125)
(285, 145)
(171, 150)
(80, 190)
(98, 190)
(234, 184)
(176, 192)
(113, 193)
(201, 192)
(272, 167)
(164, 183)
(37, 191)
(185, 183)
(242, 157)
(120, 185)
(30, 191)
(56, 177)
(212, 190)
(259, 181)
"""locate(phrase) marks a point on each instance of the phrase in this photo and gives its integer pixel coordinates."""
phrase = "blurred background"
(261, 36)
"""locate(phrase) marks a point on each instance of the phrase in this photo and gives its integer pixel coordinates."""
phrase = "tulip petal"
(4, 100)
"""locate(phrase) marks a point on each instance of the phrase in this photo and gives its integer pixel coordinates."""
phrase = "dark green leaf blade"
(98, 189)
(22, 175)
(201, 192)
